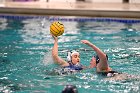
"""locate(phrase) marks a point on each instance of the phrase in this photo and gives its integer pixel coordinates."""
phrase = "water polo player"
(73, 58)
(100, 61)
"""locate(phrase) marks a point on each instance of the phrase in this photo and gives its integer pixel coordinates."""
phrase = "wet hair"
(98, 59)
(70, 89)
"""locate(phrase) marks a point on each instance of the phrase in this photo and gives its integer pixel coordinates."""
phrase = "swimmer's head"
(95, 60)
(73, 57)
(70, 89)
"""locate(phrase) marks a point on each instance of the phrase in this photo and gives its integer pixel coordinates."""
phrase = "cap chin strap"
(78, 64)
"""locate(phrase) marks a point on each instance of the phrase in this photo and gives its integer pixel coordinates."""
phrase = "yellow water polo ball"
(57, 28)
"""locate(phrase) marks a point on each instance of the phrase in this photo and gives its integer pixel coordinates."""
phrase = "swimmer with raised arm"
(73, 58)
(100, 61)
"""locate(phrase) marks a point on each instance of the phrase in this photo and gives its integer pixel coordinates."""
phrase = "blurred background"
(100, 1)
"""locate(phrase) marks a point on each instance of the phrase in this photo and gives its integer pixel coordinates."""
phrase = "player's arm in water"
(103, 63)
(55, 56)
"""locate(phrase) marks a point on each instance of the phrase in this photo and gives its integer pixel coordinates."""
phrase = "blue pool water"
(25, 53)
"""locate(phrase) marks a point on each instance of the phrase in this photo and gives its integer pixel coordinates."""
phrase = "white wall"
(100, 1)
(107, 1)
(134, 1)
(62, 0)
(2, 3)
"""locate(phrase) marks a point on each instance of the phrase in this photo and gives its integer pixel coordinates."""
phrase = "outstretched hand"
(85, 41)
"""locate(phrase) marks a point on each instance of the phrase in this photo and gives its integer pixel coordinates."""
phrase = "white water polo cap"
(70, 55)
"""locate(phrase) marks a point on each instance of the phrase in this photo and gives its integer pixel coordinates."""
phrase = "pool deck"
(119, 10)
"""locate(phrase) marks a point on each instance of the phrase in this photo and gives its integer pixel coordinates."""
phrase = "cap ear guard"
(98, 59)
(69, 56)
(107, 56)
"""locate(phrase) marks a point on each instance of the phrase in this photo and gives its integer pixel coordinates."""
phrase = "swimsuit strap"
(75, 67)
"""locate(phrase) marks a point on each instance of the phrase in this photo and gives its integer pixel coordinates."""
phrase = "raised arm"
(102, 65)
(55, 56)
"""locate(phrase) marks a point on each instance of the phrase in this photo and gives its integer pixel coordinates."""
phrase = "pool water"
(25, 53)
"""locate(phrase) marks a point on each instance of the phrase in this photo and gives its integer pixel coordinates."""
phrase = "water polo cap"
(70, 53)
(98, 59)
(70, 89)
